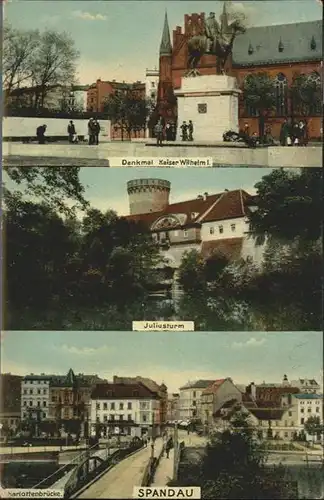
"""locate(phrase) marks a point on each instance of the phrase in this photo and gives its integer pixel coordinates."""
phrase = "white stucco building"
(130, 409)
(35, 395)
(190, 398)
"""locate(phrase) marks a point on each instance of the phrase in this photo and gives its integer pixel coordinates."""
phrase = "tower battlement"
(148, 195)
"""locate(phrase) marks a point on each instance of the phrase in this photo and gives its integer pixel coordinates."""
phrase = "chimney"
(285, 380)
(253, 391)
(205, 195)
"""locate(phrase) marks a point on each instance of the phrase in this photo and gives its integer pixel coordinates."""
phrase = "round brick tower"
(148, 195)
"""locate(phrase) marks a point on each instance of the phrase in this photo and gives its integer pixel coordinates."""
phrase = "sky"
(106, 188)
(120, 39)
(168, 357)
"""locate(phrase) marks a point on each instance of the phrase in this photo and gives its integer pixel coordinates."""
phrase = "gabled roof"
(198, 384)
(215, 207)
(122, 391)
(264, 395)
(212, 388)
(281, 43)
(229, 247)
(268, 413)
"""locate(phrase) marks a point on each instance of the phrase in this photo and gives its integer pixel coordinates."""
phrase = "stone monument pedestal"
(211, 102)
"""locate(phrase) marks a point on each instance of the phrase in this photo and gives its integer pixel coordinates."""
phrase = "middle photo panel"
(165, 249)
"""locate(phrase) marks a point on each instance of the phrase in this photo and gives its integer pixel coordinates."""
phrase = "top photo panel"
(163, 84)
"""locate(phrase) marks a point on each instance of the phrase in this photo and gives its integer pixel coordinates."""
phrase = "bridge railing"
(93, 466)
(48, 481)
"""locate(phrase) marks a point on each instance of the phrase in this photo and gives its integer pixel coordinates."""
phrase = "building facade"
(214, 397)
(35, 397)
(173, 410)
(124, 409)
(10, 407)
(190, 399)
(282, 51)
(211, 224)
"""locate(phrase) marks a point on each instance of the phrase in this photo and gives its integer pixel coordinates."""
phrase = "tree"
(259, 95)
(18, 50)
(192, 274)
(313, 427)
(233, 466)
(40, 61)
(306, 94)
(57, 187)
(289, 205)
(128, 112)
(54, 63)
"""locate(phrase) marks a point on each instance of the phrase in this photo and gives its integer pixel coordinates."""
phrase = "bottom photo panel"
(225, 415)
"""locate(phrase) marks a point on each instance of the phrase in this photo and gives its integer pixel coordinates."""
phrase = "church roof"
(283, 43)
(166, 47)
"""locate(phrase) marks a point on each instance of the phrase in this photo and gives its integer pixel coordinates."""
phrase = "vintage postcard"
(163, 249)
(215, 415)
(159, 83)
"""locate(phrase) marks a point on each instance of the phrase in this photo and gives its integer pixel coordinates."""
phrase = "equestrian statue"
(218, 39)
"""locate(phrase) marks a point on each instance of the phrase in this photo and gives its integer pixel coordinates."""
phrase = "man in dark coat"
(71, 131)
(190, 130)
(284, 132)
(91, 132)
(40, 133)
(184, 128)
(96, 130)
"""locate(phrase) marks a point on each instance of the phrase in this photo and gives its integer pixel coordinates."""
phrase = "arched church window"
(281, 87)
(314, 79)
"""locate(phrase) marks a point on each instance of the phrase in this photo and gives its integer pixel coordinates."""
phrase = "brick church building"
(283, 51)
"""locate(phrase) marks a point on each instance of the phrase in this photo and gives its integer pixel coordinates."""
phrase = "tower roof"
(166, 47)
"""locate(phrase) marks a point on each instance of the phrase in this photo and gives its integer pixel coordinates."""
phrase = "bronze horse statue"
(221, 46)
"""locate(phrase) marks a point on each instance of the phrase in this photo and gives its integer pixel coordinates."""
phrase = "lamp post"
(175, 453)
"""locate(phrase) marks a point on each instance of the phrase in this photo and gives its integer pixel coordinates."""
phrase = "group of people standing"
(168, 131)
(187, 131)
(93, 132)
(164, 132)
(294, 133)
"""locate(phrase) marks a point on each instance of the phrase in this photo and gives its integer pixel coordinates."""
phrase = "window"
(112, 417)
(121, 417)
(292, 423)
(286, 434)
(194, 394)
(317, 409)
(302, 420)
(153, 84)
(44, 415)
(121, 406)
(44, 404)
(38, 391)
(289, 413)
(129, 417)
(30, 391)
(38, 403)
(97, 419)
(233, 228)
(105, 418)
(112, 406)
(25, 391)
(44, 391)
(129, 406)
(211, 230)
(144, 419)
(185, 233)
(309, 410)
(25, 403)
(220, 229)
(280, 83)
(98, 406)
(105, 406)
(53, 399)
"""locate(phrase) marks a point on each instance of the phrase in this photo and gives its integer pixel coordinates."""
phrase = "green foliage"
(313, 426)
(289, 205)
(259, 92)
(128, 112)
(306, 94)
(233, 467)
